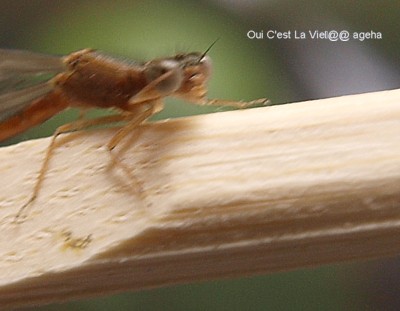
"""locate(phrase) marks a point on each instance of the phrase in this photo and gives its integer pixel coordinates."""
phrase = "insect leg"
(139, 114)
(231, 103)
(66, 128)
(150, 93)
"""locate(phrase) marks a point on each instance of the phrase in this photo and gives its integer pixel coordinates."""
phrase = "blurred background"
(284, 70)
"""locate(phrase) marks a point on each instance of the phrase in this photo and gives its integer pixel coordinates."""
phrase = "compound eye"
(173, 75)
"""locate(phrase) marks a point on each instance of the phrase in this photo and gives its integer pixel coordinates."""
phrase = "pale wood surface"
(225, 194)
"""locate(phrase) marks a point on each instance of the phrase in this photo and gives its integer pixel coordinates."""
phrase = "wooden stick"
(226, 194)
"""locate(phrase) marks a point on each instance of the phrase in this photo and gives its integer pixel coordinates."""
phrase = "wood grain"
(226, 194)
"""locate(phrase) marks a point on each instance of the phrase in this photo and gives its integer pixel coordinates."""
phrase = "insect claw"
(261, 101)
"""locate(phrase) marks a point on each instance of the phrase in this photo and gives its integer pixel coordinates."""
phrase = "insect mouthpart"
(200, 66)
(206, 65)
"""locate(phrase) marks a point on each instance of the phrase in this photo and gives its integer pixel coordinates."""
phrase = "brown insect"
(91, 79)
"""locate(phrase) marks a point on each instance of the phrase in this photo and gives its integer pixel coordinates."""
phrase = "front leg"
(137, 115)
(232, 103)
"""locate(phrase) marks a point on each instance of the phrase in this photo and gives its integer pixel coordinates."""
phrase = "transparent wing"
(25, 62)
(23, 77)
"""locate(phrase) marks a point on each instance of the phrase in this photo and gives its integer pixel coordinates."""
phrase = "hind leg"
(66, 128)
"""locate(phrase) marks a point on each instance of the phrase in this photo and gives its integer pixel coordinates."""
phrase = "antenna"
(208, 49)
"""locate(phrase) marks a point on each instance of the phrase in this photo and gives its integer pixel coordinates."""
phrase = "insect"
(34, 87)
